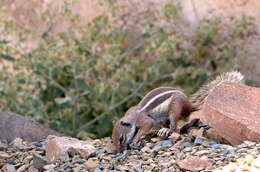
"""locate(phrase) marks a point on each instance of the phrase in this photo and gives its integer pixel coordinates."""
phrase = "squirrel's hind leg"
(178, 108)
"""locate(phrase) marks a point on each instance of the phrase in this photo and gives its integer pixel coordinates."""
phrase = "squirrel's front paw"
(137, 144)
(164, 132)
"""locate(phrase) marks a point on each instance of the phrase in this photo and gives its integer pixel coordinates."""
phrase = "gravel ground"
(175, 154)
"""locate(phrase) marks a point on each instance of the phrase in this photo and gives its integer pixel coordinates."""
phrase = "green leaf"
(40, 67)
(54, 72)
(21, 81)
(45, 33)
(203, 78)
(83, 85)
(7, 57)
(104, 125)
(4, 42)
(213, 64)
(130, 83)
(146, 35)
(61, 101)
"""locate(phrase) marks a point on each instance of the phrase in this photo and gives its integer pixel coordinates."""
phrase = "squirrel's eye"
(121, 138)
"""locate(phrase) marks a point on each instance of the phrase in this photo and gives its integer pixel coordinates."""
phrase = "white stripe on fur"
(159, 95)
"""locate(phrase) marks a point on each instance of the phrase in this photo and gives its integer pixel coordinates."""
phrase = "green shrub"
(74, 83)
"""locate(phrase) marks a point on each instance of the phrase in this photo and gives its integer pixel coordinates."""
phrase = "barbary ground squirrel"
(162, 106)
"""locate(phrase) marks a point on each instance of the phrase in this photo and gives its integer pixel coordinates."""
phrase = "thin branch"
(195, 9)
(127, 98)
(57, 84)
(91, 122)
(111, 108)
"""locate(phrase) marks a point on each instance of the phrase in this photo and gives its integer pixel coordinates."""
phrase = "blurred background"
(77, 65)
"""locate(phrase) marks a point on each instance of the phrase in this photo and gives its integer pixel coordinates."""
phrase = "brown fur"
(179, 107)
(169, 104)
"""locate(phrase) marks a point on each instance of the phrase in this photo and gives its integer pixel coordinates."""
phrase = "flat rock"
(233, 111)
(14, 125)
(56, 146)
(110, 148)
(212, 134)
(32, 169)
(91, 164)
(175, 137)
(194, 163)
(39, 161)
(9, 168)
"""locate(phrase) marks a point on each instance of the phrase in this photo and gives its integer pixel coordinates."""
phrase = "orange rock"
(233, 110)
(56, 146)
(194, 163)
(110, 148)
(175, 137)
(211, 134)
(91, 164)
(32, 169)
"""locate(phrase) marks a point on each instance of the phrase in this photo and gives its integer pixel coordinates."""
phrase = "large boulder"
(14, 125)
(233, 110)
(57, 147)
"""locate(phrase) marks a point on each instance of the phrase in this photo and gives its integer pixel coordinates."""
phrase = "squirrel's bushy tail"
(198, 98)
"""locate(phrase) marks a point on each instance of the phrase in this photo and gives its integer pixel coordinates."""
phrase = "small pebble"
(12, 162)
(44, 143)
(91, 156)
(101, 166)
(212, 142)
(223, 159)
(187, 144)
(204, 126)
(101, 151)
(215, 146)
(38, 144)
(9, 152)
(165, 143)
(243, 145)
(198, 141)
(231, 149)
(97, 170)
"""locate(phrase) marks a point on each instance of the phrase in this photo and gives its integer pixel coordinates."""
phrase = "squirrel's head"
(123, 132)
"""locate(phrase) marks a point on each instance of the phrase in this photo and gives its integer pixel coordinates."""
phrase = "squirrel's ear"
(125, 123)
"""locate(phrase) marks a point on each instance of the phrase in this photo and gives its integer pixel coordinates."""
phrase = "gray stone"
(198, 141)
(4, 155)
(97, 170)
(187, 144)
(13, 126)
(64, 156)
(243, 145)
(18, 143)
(3, 145)
(231, 149)
(39, 161)
(165, 143)
(9, 168)
(215, 146)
